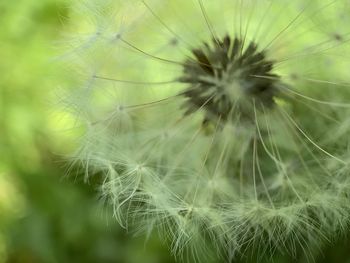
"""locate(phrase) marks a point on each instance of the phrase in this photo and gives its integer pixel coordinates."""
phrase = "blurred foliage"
(45, 217)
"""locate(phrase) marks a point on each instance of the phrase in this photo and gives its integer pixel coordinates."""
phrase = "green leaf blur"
(45, 217)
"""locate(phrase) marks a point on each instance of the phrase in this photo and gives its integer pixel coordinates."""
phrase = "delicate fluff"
(221, 124)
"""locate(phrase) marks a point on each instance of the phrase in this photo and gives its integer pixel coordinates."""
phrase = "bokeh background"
(45, 216)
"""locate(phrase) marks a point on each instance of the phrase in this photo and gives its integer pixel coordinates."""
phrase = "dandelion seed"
(221, 124)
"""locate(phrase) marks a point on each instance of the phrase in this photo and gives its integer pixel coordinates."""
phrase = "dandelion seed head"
(221, 125)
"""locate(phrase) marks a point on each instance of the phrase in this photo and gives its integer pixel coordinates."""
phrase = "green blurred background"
(45, 216)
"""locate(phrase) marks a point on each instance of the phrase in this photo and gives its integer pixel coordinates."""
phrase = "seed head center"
(227, 78)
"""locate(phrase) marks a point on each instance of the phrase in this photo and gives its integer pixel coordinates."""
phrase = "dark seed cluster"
(227, 79)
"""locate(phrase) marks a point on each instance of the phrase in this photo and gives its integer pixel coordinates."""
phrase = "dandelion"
(223, 125)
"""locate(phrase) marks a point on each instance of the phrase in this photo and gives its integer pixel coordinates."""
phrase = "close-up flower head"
(221, 125)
